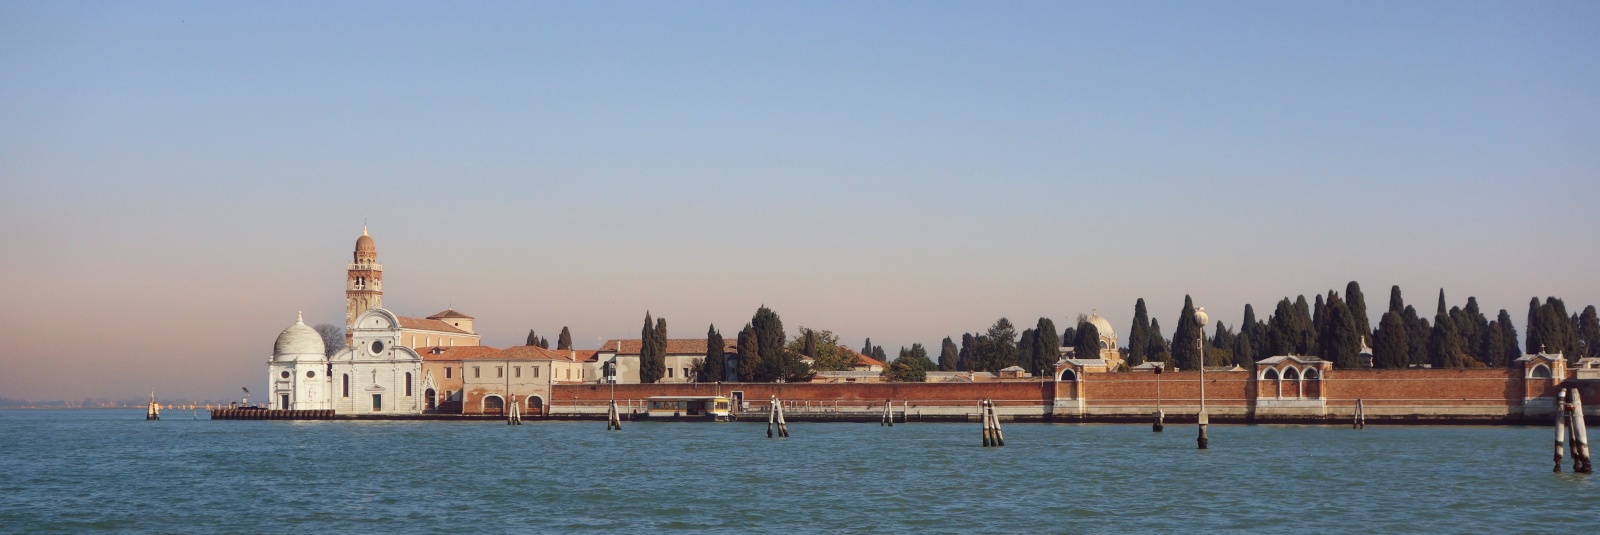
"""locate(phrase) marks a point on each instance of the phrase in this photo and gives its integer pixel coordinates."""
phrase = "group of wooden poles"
(1569, 425)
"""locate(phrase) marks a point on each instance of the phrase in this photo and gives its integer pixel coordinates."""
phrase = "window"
(669, 373)
(517, 371)
(685, 373)
(447, 370)
(284, 374)
(475, 372)
(499, 371)
(347, 385)
(535, 371)
(311, 375)
(408, 384)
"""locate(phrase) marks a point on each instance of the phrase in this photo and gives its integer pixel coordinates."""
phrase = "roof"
(1280, 358)
(429, 324)
(450, 313)
(1547, 356)
(676, 346)
(530, 353)
(1088, 362)
(863, 360)
(454, 353)
(1012, 369)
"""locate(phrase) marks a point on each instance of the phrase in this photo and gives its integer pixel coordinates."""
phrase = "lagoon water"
(75, 471)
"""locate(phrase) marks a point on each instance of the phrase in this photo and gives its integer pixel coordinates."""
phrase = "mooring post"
(1159, 425)
(988, 430)
(772, 414)
(883, 419)
(1561, 426)
(1359, 420)
(153, 411)
(1203, 440)
(999, 436)
(1580, 435)
(783, 424)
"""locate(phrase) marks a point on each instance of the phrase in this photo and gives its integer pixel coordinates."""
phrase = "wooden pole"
(783, 424)
(772, 414)
(999, 436)
(1580, 436)
(1561, 427)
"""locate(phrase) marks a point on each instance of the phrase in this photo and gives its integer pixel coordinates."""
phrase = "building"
(364, 291)
(376, 375)
(296, 373)
(441, 376)
(620, 358)
(520, 375)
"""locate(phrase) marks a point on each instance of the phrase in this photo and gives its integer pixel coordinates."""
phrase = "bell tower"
(363, 287)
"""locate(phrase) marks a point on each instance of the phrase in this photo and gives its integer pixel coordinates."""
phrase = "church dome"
(1100, 324)
(364, 243)
(298, 340)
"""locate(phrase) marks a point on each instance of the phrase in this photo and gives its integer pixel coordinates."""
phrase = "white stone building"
(376, 374)
(297, 372)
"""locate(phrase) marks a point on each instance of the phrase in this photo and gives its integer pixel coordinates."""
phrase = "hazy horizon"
(182, 178)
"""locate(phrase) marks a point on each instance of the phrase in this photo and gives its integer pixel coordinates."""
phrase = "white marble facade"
(375, 375)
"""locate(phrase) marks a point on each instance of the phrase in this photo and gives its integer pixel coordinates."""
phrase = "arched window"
(1271, 375)
(1540, 372)
(1311, 374)
(408, 384)
(493, 404)
(1069, 375)
(1291, 374)
(347, 385)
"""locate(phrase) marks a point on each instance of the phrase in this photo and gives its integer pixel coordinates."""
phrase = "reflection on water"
(95, 470)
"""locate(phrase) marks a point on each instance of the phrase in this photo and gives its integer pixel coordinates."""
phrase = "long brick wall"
(1419, 395)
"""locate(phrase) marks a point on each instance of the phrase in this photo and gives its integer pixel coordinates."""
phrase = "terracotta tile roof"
(428, 324)
(587, 355)
(449, 313)
(863, 360)
(530, 353)
(454, 353)
(675, 346)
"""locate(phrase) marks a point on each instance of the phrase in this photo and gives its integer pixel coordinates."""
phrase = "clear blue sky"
(181, 178)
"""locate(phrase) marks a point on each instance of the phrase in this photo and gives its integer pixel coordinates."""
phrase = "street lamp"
(1200, 349)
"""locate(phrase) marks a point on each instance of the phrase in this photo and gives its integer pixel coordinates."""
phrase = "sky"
(181, 178)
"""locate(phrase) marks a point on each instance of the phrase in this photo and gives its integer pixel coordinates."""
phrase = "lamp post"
(1156, 427)
(1200, 349)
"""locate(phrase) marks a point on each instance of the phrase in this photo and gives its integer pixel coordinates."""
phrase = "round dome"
(364, 244)
(297, 341)
(1100, 324)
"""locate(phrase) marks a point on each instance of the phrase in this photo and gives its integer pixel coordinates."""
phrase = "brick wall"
(1034, 393)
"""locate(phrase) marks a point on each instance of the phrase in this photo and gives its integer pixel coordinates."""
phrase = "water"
(91, 470)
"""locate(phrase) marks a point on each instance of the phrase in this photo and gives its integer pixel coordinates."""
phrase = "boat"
(712, 408)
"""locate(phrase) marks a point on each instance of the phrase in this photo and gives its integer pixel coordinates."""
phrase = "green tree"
(1186, 338)
(809, 346)
(949, 356)
(652, 357)
(749, 354)
(826, 353)
(911, 366)
(533, 338)
(1391, 347)
(1589, 332)
(866, 349)
(1159, 350)
(1246, 347)
(564, 341)
(1397, 304)
(1283, 337)
(1417, 332)
(1508, 332)
(1087, 346)
(1138, 335)
(1357, 303)
(712, 368)
(1046, 348)
(1340, 339)
(1001, 350)
(1494, 345)
(1444, 350)
(1305, 329)
(968, 357)
(1025, 350)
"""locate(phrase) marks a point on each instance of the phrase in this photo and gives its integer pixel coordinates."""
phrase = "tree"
(912, 365)
(1245, 348)
(533, 338)
(1283, 338)
(1186, 339)
(564, 341)
(866, 349)
(1138, 335)
(1305, 331)
(652, 359)
(1046, 348)
(776, 362)
(1159, 350)
(1494, 345)
(1340, 339)
(333, 337)
(809, 346)
(1508, 332)
(713, 368)
(1087, 346)
(949, 356)
(1025, 350)
(1551, 330)
(1396, 303)
(826, 353)
(1357, 303)
(1417, 330)
(749, 354)
(1444, 349)
(1000, 348)
(1589, 331)
(967, 357)
(1391, 347)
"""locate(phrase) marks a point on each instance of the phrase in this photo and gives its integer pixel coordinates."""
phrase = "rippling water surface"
(78, 471)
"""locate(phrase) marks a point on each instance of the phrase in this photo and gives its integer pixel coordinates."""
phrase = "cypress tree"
(1589, 331)
(1341, 339)
(1138, 335)
(533, 339)
(1396, 304)
(1564, 329)
(1047, 349)
(769, 343)
(1305, 330)
(1319, 316)
(866, 349)
(650, 369)
(564, 341)
(1391, 347)
(1508, 332)
(1444, 350)
(1243, 353)
(1159, 350)
(1070, 336)
(1494, 345)
(1185, 339)
(1536, 342)
(1284, 336)
(1087, 346)
(968, 356)
(1002, 346)
(949, 356)
(713, 368)
(749, 354)
(1025, 351)
(1417, 330)
(1357, 303)
(810, 347)
(544, 342)
(1245, 348)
